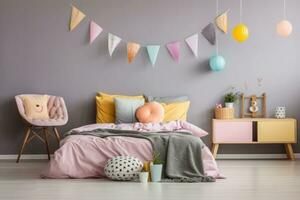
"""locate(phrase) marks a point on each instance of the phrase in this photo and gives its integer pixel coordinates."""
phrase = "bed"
(85, 156)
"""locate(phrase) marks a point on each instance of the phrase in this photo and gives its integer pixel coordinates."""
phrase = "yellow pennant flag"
(221, 22)
(76, 17)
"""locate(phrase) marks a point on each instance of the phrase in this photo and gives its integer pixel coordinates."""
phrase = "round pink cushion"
(152, 112)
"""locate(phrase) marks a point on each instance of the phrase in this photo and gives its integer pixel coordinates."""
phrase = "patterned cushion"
(123, 168)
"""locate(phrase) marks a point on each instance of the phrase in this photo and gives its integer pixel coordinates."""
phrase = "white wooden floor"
(251, 179)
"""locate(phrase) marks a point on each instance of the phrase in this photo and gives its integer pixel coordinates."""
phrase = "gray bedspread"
(180, 151)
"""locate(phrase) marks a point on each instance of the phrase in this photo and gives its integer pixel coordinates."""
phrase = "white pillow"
(123, 168)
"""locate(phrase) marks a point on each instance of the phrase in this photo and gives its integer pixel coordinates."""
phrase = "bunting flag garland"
(221, 22)
(192, 42)
(152, 53)
(95, 30)
(113, 42)
(76, 17)
(209, 33)
(132, 50)
(173, 48)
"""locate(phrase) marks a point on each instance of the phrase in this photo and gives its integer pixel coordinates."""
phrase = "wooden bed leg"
(214, 150)
(24, 143)
(289, 151)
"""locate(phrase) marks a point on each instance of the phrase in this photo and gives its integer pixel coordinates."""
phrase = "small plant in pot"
(229, 99)
(156, 168)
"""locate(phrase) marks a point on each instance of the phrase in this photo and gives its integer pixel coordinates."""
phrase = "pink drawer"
(232, 132)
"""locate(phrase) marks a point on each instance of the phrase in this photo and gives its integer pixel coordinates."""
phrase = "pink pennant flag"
(192, 42)
(173, 48)
(95, 30)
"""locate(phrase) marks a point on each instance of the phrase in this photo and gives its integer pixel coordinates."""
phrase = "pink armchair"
(58, 116)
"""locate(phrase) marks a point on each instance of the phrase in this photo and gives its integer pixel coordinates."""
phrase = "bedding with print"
(85, 150)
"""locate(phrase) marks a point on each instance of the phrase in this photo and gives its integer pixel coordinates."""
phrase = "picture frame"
(253, 106)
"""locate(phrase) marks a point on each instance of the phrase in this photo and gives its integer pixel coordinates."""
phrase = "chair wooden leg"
(46, 142)
(24, 143)
(57, 135)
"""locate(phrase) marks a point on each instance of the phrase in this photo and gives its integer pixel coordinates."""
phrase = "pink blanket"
(86, 156)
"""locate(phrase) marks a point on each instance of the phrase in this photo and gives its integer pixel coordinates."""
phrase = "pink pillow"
(194, 129)
(152, 112)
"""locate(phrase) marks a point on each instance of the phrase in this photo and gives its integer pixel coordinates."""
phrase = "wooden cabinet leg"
(214, 150)
(289, 151)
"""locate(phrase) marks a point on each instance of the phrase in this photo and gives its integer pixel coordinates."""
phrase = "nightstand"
(255, 131)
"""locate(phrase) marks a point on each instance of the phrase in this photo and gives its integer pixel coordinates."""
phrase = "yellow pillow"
(106, 107)
(176, 111)
(36, 106)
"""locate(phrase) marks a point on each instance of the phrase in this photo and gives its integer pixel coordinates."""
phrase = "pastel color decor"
(125, 109)
(95, 31)
(113, 42)
(173, 48)
(176, 111)
(221, 22)
(209, 33)
(284, 28)
(132, 50)
(156, 172)
(233, 131)
(192, 42)
(255, 131)
(217, 63)
(152, 53)
(152, 112)
(36, 106)
(240, 33)
(105, 106)
(76, 17)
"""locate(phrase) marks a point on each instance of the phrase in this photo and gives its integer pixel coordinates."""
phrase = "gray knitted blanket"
(180, 151)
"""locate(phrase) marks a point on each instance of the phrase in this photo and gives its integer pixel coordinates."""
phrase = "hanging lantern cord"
(217, 42)
(284, 10)
(241, 11)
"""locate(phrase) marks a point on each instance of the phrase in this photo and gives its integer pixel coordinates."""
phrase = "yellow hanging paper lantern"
(240, 33)
(284, 28)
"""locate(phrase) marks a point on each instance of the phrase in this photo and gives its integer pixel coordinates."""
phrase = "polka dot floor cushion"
(123, 168)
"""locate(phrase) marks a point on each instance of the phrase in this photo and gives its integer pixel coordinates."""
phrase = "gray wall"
(39, 55)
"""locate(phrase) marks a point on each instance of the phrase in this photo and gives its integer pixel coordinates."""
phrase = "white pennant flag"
(192, 42)
(113, 42)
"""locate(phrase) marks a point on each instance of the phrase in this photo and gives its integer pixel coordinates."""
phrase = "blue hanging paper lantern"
(217, 63)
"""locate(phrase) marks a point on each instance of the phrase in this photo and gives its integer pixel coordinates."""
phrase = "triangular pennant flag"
(132, 50)
(173, 48)
(76, 17)
(221, 22)
(113, 42)
(209, 33)
(152, 53)
(95, 30)
(192, 42)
